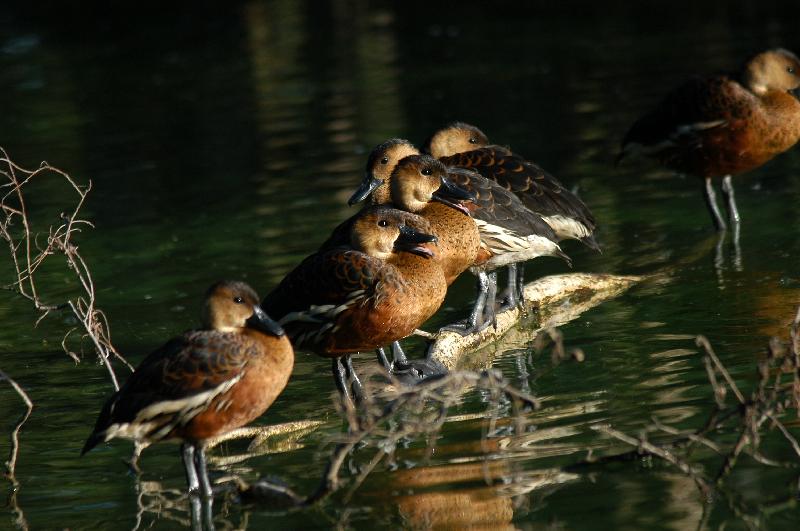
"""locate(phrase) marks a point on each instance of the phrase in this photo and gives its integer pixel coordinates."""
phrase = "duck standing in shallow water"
(724, 125)
(507, 231)
(465, 146)
(361, 294)
(203, 383)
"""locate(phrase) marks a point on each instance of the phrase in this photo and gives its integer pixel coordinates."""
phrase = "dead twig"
(11, 464)
(27, 256)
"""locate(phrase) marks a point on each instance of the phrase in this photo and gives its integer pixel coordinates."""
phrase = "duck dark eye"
(426, 171)
(473, 140)
(238, 300)
(790, 69)
(383, 223)
(385, 160)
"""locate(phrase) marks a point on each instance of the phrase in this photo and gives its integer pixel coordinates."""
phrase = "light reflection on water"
(228, 146)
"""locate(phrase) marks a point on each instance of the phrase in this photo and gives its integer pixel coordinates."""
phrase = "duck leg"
(201, 464)
(187, 451)
(383, 360)
(208, 511)
(196, 507)
(398, 356)
(511, 297)
(340, 376)
(489, 311)
(475, 319)
(711, 201)
(733, 214)
(355, 384)
(727, 189)
(521, 284)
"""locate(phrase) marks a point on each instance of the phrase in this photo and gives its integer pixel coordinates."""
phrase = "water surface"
(223, 143)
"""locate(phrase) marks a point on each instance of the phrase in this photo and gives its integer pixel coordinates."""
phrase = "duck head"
(457, 137)
(231, 306)
(382, 231)
(772, 70)
(419, 179)
(380, 164)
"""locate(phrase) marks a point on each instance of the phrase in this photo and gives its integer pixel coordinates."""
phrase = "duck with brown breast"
(724, 125)
(203, 383)
(373, 288)
(508, 232)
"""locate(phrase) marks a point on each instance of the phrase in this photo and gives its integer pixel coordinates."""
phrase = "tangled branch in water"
(28, 257)
(752, 418)
(399, 412)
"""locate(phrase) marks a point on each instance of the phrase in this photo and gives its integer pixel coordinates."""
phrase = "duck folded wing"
(324, 285)
(686, 113)
(172, 384)
(538, 190)
(496, 205)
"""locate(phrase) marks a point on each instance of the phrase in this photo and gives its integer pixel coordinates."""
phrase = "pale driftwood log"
(549, 301)
(265, 440)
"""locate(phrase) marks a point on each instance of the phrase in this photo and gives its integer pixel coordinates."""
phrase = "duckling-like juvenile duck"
(465, 146)
(724, 125)
(364, 293)
(203, 383)
(508, 232)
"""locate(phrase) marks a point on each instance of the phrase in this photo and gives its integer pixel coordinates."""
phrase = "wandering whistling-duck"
(509, 232)
(466, 146)
(419, 184)
(364, 293)
(724, 125)
(203, 383)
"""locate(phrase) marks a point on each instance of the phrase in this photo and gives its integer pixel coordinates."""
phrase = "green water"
(223, 143)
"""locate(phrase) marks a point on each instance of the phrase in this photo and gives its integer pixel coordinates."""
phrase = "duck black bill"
(261, 321)
(412, 241)
(452, 195)
(368, 184)
(795, 92)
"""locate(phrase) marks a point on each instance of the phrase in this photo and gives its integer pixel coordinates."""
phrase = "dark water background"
(223, 140)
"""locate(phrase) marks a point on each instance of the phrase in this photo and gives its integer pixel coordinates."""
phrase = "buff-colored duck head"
(457, 137)
(772, 70)
(381, 163)
(382, 231)
(231, 306)
(420, 179)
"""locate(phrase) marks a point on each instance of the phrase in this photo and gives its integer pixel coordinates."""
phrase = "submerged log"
(549, 301)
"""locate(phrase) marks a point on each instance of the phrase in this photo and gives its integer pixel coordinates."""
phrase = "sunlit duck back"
(508, 231)
(363, 293)
(724, 125)
(466, 146)
(204, 382)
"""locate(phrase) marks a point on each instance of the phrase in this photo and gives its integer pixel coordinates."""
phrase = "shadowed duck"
(724, 125)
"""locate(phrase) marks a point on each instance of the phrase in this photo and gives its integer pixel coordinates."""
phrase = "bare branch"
(28, 256)
(11, 464)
